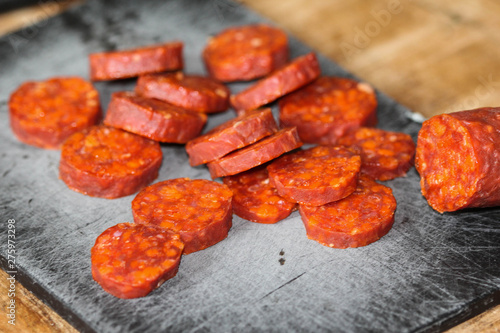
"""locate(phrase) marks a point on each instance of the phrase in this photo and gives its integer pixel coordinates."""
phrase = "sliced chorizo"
(254, 198)
(458, 159)
(357, 220)
(231, 135)
(109, 163)
(255, 154)
(192, 92)
(384, 154)
(246, 52)
(130, 260)
(328, 108)
(45, 113)
(153, 119)
(199, 210)
(317, 175)
(297, 73)
(122, 64)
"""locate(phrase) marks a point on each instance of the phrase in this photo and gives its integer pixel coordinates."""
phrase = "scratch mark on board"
(284, 284)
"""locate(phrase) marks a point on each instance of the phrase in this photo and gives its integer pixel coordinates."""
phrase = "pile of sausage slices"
(266, 173)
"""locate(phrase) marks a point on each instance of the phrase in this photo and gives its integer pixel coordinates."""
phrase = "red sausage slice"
(134, 62)
(130, 260)
(358, 220)
(256, 154)
(154, 119)
(231, 135)
(328, 108)
(199, 210)
(108, 162)
(192, 92)
(246, 52)
(317, 175)
(384, 155)
(254, 198)
(45, 113)
(458, 159)
(296, 74)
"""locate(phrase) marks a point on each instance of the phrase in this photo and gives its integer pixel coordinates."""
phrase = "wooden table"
(432, 56)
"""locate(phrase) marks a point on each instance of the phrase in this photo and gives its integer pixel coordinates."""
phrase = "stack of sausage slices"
(266, 174)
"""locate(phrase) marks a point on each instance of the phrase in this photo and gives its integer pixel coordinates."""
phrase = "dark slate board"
(430, 272)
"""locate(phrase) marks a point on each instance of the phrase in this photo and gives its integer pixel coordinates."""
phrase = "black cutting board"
(7, 5)
(430, 272)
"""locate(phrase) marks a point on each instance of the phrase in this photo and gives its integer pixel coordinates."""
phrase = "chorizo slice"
(384, 155)
(255, 154)
(246, 52)
(458, 159)
(199, 210)
(357, 220)
(153, 119)
(328, 108)
(130, 63)
(191, 92)
(317, 175)
(130, 260)
(45, 113)
(254, 198)
(109, 163)
(230, 136)
(282, 81)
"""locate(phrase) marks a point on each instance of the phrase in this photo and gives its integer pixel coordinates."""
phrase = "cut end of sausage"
(447, 163)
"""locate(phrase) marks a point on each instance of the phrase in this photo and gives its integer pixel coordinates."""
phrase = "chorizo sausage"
(255, 154)
(317, 175)
(130, 63)
(192, 92)
(233, 134)
(458, 159)
(45, 113)
(357, 220)
(254, 198)
(199, 210)
(153, 119)
(284, 80)
(246, 52)
(328, 108)
(109, 163)
(384, 154)
(131, 260)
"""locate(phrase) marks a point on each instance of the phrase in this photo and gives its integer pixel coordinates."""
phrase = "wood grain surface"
(433, 57)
